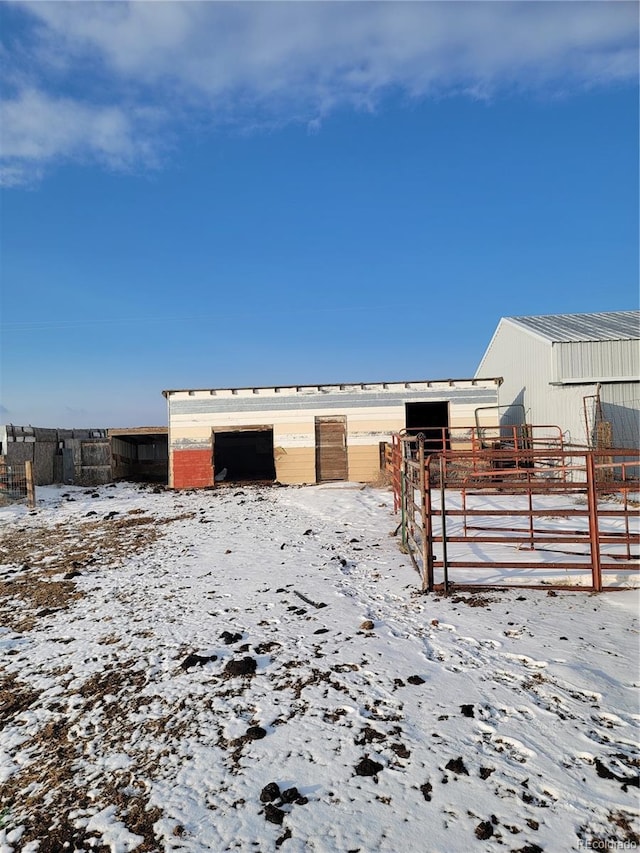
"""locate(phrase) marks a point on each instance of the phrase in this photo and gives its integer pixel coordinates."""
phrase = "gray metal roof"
(564, 328)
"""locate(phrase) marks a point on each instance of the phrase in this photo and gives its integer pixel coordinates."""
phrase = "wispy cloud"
(100, 81)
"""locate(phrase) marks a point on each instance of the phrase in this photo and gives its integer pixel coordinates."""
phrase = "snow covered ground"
(254, 668)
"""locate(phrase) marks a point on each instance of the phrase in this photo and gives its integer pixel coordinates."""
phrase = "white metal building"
(310, 433)
(580, 372)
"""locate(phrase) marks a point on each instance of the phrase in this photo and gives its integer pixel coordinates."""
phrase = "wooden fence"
(16, 482)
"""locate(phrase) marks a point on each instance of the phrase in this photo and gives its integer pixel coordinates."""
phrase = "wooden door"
(331, 448)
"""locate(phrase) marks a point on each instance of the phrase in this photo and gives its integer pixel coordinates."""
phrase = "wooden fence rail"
(16, 482)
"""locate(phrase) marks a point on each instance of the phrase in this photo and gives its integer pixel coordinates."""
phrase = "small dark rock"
(256, 733)
(244, 666)
(426, 791)
(467, 710)
(564, 638)
(322, 631)
(456, 765)
(369, 735)
(273, 814)
(302, 801)
(485, 772)
(270, 792)
(400, 750)
(367, 625)
(91, 512)
(197, 660)
(415, 679)
(73, 574)
(484, 830)
(229, 638)
(368, 767)
(602, 771)
(552, 593)
(290, 795)
(308, 532)
(285, 835)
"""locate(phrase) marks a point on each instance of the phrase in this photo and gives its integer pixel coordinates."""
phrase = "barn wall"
(525, 363)
(621, 407)
(43, 447)
(556, 383)
(373, 413)
(599, 360)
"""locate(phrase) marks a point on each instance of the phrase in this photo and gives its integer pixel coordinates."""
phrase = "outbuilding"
(310, 433)
(579, 372)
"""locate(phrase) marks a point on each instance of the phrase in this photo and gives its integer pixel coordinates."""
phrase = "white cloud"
(38, 128)
(250, 62)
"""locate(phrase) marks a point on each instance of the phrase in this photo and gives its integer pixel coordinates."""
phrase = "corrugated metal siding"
(525, 364)
(529, 364)
(621, 407)
(596, 360)
(609, 325)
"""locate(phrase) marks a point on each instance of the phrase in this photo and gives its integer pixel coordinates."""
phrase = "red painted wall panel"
(191, 469)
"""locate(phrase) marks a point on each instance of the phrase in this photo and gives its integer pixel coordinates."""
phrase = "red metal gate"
(521, 516)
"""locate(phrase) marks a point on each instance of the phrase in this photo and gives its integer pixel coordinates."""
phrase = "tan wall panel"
(295, 434)
(195, 433)
(295, 464)
(364, 463)
(375, 424)
(290, 420)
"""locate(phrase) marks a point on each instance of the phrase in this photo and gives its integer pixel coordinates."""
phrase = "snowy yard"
(254, 668)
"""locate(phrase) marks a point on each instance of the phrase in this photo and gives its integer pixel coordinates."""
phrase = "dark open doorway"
(140, 454)
(244, 454)
(431, 419)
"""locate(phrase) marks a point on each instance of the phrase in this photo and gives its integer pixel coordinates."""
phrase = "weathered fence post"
(31, 489)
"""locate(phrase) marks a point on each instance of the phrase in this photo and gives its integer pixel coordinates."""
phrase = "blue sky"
(200, 195)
